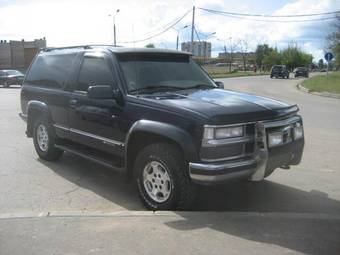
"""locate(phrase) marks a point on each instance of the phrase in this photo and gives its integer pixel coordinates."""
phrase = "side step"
(84, 153)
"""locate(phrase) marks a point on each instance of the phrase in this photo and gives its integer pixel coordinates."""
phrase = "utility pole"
(114, 26)
(192, 30)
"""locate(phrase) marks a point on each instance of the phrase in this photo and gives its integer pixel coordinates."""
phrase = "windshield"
(277, 68)
(13, 72)
(147, 72)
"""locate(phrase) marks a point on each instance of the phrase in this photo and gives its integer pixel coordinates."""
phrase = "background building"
(200, 49)
(19, 54)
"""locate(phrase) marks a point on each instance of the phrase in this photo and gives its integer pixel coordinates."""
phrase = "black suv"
(279, 71)
(156, 116)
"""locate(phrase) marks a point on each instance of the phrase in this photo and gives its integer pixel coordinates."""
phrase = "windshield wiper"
(201, 86)
(153, 89)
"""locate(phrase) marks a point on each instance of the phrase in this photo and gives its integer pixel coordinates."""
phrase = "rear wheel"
(163, 179)
(44, 140)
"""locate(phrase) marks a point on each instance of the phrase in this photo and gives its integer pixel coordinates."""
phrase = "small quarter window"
(51, 71)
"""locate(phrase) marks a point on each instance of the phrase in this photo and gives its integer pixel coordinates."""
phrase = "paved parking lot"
(296, 210)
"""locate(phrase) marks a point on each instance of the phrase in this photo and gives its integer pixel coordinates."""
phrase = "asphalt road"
(77, 207)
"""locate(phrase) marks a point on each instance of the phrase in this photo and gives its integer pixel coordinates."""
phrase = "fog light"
(275, 139)
(298, 131)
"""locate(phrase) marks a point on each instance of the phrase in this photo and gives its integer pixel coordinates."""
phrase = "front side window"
(94, 71)
(146, 70)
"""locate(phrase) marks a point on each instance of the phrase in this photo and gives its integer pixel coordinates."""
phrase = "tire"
(175, 191)
(271, 77)
(44, 140)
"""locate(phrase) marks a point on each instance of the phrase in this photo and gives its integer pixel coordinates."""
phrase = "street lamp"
(114, 26)
(225, 49)
(177, 38)
(205, 44)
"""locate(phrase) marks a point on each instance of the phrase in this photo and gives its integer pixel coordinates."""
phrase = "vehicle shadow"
(262, 210)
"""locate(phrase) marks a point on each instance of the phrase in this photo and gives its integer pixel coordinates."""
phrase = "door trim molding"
(103, 139)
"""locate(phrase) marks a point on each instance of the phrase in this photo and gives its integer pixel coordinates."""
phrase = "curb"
(168, 214)
(323, 94)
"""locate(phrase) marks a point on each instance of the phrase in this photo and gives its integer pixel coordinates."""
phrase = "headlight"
(298, 131)
(275, 139)
(211, 133)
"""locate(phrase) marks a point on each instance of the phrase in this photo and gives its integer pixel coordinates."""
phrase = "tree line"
(333, 42)
(292, 57)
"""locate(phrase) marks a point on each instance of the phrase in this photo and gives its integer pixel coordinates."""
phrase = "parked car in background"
(279, 71)
(11, 77)
(301, 71)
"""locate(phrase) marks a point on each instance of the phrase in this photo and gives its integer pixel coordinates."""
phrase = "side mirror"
(219, 84)
(100, 92)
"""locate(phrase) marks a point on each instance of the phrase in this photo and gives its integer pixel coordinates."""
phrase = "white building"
(200, 49)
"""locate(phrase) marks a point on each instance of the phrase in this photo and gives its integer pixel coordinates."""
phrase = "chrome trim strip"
(61, 127)
(227, 141)
(217, 167)
(103, 139)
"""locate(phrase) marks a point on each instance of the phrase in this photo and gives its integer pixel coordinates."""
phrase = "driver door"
(95, 122)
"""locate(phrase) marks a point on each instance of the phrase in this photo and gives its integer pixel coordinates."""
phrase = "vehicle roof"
(116, 50)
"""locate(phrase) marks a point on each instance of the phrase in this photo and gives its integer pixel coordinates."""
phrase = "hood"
(223, 106)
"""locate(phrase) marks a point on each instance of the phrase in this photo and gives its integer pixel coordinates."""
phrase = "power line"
(162, 32)
(272, 16)
(264, 20)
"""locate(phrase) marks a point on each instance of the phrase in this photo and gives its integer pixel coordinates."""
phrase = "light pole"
(205, 44)
(177, 38)
(225, 50)
(114, 26)
(231, 53)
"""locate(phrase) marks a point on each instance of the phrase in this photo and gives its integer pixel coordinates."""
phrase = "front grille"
(222, 152)
(254, 138)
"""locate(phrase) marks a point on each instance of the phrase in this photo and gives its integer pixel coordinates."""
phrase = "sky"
(79, 22)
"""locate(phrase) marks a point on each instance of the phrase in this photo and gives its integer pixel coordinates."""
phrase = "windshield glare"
(13, 72)
(162, 70)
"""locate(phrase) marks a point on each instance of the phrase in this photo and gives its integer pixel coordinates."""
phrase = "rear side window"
(50, 71)
(94, 71)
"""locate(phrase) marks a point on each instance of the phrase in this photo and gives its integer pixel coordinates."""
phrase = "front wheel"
(44, 140)
(163, 179)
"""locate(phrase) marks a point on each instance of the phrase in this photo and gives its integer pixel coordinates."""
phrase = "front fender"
(176, 134)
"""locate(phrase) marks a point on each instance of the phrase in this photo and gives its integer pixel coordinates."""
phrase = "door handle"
(73, 103)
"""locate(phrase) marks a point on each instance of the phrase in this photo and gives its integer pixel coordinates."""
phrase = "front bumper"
(253, 167)
(23, 116)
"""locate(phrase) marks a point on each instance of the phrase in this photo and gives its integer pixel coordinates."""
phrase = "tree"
(150, 45)
(261, 51)
(273, 57)
(243, 46)
(321, 64)
(333, 41)
(294, 57)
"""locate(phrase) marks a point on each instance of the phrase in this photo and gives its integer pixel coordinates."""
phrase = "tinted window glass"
(143, 70)
(2, 73)
(50, 70)
(94, 71)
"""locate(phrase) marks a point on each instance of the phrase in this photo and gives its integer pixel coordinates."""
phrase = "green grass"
(323, 83)
(234, 74)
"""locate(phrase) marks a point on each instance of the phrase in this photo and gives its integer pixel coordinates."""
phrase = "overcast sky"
(74, 22)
